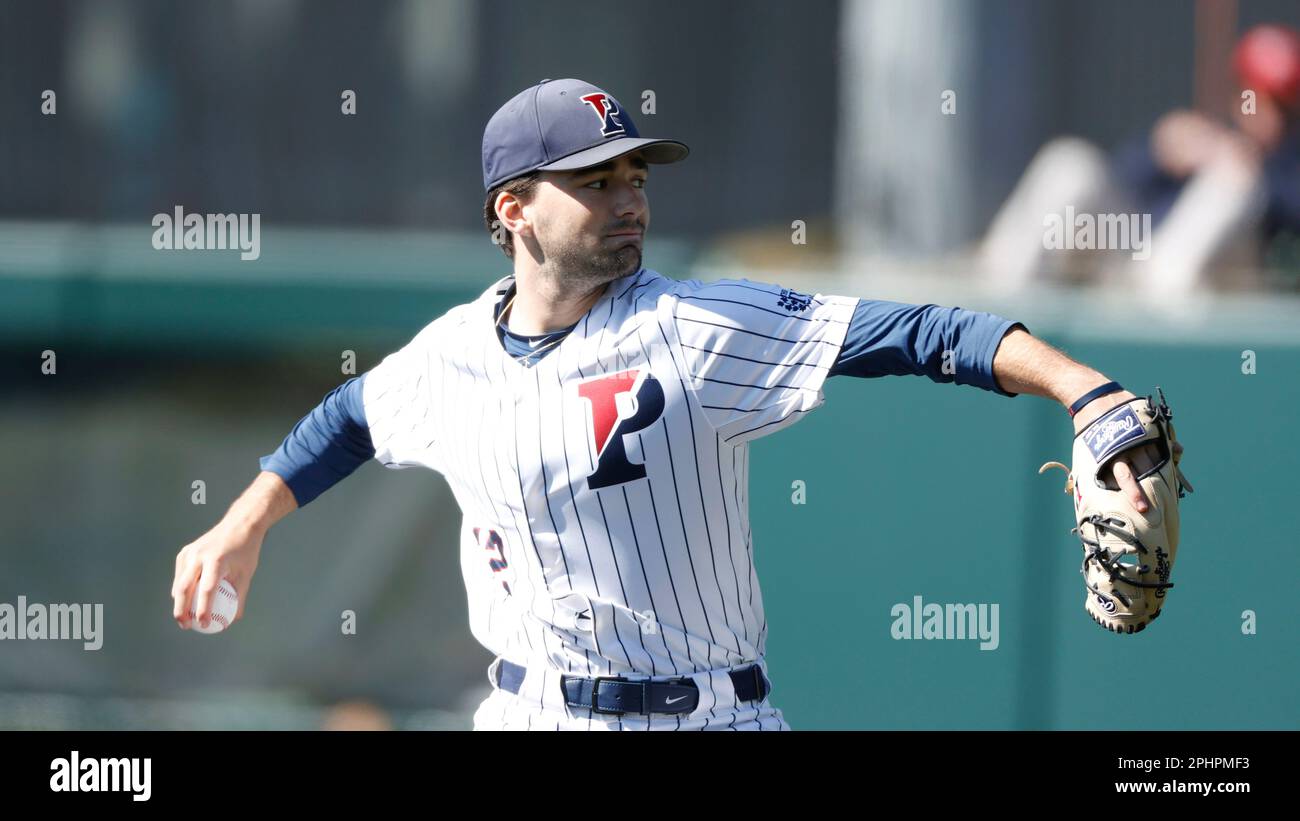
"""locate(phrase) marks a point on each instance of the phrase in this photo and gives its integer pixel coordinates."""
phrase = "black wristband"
(1095, 393)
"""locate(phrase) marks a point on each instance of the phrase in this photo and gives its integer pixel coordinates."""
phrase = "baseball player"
(593, 419)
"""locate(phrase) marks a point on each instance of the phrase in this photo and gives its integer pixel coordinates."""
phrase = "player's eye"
(639, 182)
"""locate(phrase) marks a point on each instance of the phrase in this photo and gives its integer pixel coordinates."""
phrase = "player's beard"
(579, 269)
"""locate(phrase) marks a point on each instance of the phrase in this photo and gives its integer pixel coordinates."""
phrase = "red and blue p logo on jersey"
(607, 111)
(607, 427)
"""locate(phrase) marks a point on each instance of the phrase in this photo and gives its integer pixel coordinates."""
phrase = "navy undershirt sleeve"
(896, 338)
(326, 445)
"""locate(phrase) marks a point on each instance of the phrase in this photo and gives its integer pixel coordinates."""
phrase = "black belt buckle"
(595, 695)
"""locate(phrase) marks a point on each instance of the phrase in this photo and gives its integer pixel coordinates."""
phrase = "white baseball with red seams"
(225, 604)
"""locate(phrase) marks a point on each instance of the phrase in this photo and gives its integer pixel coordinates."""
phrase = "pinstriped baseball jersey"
(604, 490)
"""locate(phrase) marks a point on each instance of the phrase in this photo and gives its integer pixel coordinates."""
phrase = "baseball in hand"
(225, 604)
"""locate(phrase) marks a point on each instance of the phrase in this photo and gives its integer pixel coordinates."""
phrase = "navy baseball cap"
(564, 125)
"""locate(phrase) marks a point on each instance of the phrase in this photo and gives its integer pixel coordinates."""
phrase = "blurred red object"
(1268, 61)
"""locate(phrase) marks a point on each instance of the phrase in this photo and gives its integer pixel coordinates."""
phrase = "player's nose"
(631, 205)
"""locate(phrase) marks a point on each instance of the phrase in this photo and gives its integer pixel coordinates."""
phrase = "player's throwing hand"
(228, 551)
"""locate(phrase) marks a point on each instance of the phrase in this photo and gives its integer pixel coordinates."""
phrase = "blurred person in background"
(358, 714)
(1217, 192)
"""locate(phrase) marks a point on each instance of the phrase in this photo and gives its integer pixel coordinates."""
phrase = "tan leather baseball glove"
(1127, 556)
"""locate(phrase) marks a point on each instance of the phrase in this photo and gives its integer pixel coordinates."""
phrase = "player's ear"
(510, 210)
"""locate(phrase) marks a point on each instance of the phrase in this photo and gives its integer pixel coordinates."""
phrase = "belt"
(614, 695)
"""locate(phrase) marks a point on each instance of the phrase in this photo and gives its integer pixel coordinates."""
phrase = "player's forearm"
(266, 501)
(1025, 364)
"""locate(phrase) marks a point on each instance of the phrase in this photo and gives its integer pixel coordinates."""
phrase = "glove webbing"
(1109, 561)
